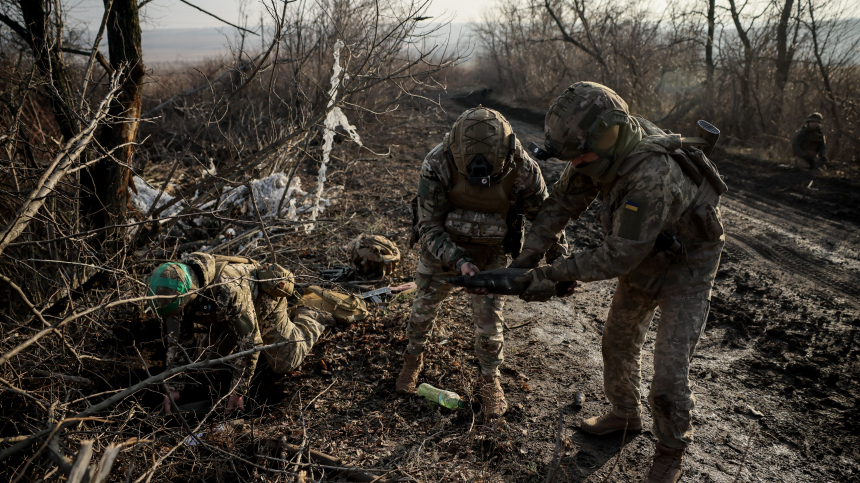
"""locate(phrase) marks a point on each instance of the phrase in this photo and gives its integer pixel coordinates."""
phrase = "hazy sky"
(175, 14)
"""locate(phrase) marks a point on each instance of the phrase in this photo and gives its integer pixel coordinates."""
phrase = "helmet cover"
(374, 254)
(174, 279)
(480, 142)
(815, 117)
(276, 280)
(578, 120)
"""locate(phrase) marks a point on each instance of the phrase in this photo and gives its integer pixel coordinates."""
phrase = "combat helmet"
(480, 145)
(173, 279)
(585, 118)
(815, 117)
(276, 280)
(374, 255)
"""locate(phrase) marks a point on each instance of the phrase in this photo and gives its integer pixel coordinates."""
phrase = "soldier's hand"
(529, 258)
(235, 401)
(168, 408)
(471, 269)
(540, 287)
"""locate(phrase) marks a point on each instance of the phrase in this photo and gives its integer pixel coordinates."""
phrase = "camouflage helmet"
(815, 117)
(276, 280)
(584, 118)
(481, 142)
(374, 255)
(174, 279)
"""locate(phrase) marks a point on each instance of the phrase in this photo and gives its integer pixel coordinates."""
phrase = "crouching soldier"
(237, 304)
(663, 243)
(475, 187)
(808, 144)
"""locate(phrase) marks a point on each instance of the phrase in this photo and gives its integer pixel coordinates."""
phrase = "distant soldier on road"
(660, 209)
(808, 144)
(232, 303)
(474, 189)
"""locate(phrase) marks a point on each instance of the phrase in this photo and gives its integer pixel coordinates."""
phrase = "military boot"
(610, 423)
(492, 397)
(667, 464)
(407, 381)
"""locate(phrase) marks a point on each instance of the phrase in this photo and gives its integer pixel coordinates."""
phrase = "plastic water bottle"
(449, 399)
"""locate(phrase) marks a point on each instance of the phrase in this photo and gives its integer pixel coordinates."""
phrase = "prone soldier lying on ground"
(230, 303)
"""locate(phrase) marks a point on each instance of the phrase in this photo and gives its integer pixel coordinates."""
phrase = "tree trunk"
(746, 76)
(111, 178)
(49, 58)
(709, 43)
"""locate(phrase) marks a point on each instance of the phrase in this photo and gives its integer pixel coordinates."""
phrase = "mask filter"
(479, 171)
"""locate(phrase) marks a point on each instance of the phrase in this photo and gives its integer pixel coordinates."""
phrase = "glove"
(540, 287)
(529, 258)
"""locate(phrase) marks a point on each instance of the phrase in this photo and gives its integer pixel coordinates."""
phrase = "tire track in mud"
(794, 243)
(831, 279)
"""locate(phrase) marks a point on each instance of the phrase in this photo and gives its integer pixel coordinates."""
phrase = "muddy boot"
(667, 465)
(492, 397)
(407, 381)
(610, 423)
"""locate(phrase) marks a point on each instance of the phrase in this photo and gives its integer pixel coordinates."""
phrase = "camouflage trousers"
(682, 322)
(486, 309)
(300, 336)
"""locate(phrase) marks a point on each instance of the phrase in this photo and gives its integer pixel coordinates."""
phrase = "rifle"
(375, 296)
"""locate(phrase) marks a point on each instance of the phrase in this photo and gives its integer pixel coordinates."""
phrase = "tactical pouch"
(467, 226)
(344, 307)
(513, 242)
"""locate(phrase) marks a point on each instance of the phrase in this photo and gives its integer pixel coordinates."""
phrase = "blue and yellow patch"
(631, 206)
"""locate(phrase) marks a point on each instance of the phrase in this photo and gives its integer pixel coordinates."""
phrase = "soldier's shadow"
(602, 455)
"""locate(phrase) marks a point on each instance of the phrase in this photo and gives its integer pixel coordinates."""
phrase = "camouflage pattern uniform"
(236, 313)
(440, 254)
(643, 194)
(809, 144)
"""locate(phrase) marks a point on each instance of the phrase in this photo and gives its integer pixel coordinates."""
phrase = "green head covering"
(174, 279)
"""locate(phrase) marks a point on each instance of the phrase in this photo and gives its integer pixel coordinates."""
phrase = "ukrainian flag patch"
(632, 206)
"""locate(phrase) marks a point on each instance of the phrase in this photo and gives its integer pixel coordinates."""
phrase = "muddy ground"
(775, 376)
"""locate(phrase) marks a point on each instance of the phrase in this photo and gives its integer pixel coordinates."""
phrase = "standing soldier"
(810, 150)
(663, 243)
(239, 305)
(474, 189)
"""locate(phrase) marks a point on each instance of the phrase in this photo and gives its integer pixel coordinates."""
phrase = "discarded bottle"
(449, 399)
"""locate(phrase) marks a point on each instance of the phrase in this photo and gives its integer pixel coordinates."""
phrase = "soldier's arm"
(175, 353)
(238, 310)
(636, 222)
(433, 207)
(531, 188)
(569, 198)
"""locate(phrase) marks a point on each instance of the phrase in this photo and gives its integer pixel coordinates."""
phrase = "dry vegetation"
(754, 69)
(81, 358)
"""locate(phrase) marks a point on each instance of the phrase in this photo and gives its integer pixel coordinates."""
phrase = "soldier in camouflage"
(230, 303)
(660, 209)
(808, 144)
(471, 184)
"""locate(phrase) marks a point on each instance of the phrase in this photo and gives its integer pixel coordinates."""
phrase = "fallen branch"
(556, 454)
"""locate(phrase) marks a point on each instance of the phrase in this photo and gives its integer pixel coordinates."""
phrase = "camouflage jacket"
(809, 142)
(646, 199)
(231, 297)
(435, 184)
